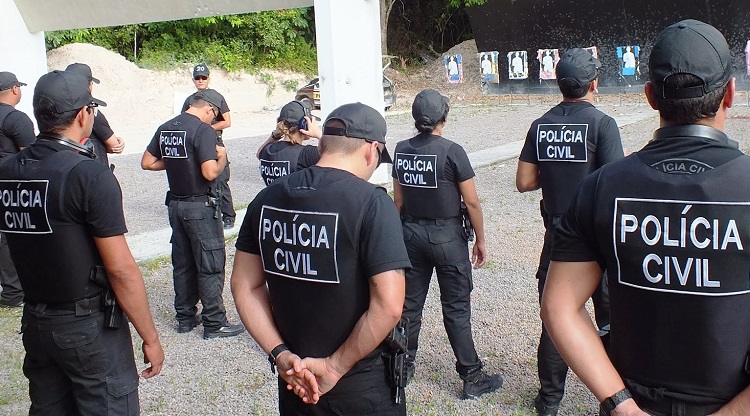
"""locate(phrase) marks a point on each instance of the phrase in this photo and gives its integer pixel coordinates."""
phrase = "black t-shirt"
(16, 130)
(99, 134)
(215, 97)
(431, 191)
(567, 143)
(321, 234)
(185, 143)
(669, 224)
(284, 157)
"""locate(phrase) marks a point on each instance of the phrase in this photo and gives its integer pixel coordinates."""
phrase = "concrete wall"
(509, 25)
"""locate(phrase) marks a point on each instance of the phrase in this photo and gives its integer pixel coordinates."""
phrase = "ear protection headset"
(80, 148)
(302, 123)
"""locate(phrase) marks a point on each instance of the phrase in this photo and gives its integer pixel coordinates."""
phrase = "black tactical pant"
(440, 245)
(198, 259)
(365, 392)
(550, 365)
(227, 205)
(12, 292)
(75, 366)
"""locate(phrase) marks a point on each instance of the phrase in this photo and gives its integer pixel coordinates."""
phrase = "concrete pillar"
(349, 58)
(21, 52)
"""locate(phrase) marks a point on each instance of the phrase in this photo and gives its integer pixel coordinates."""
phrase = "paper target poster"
(518, 65)
(747, 57)
(629, 57)
(593, 51)
(548, 59)
(488, 66)
(454, 69)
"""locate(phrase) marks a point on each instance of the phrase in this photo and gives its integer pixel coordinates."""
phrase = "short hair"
(571, 90)
(688, 110)
(199, 101)
(49, 120)
(339, 144)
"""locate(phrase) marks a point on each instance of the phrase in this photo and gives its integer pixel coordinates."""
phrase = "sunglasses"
(380, 152)
(94, 109)
(200, 78)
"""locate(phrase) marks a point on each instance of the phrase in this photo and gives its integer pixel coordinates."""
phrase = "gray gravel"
(232, 377)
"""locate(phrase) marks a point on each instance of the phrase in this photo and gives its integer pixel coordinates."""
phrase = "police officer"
(61, 205)
(563, 146)
(284, 151)
(16, 132)
(319, 273)
(221, 121)
(186, 147)
(669, 224)
(102, 138)
(432, 175)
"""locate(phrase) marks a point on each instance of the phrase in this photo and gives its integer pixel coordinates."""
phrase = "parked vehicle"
(310, 93)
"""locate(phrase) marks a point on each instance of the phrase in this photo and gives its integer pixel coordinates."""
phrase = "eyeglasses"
(213, 110)
(94, 109)
(200, 78)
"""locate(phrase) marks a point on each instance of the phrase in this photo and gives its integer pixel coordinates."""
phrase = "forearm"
(738, 406)
(130, 292)
(221, 125)
(477, 219)
(254, 308)
(368, 333)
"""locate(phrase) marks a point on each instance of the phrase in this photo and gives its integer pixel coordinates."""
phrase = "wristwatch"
(275, 137)
(608, 405)
(274, 354)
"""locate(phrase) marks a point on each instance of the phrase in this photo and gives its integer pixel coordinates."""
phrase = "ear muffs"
(302, 123)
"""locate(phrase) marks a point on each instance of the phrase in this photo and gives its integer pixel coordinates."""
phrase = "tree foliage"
(282, 39)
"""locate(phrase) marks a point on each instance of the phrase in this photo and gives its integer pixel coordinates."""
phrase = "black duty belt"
(191, 198)
(670, 406)
(433, 221)
(67, 306)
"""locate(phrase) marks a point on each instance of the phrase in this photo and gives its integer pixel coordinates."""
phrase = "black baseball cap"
(8, 80)
(361, 122)
(201, 70)
(429, 106)
(294, 111)
(82, 69)
(65, 90)
(577, 66)
(690, 47)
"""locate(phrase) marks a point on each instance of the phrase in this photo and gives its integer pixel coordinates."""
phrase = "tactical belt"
(668, 405)
(433, 221)
(192, 198)
(67, 306)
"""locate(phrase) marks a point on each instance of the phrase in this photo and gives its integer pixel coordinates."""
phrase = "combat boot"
(479, 383)
(543, 409)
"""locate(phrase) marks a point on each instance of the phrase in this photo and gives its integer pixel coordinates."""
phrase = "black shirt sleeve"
(575, 236)
(19, 128)
(609, 147)
(458, 165)
(186, 104)
(205, 143)
(100, 201)
(101, 130)
(528, 153)
(247, 240)
(308, 157)
(381, 240)
(153, 146)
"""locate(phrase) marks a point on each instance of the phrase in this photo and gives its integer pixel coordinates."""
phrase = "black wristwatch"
(275, 137)
(608, 405)
(274, 354)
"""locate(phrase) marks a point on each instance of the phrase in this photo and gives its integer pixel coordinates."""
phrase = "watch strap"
(274, 354)
(608, 405)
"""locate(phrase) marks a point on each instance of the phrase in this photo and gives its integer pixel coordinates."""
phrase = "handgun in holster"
(214, 200)
(468, 229)
(220, 137)
(395, 357)
(112, 311)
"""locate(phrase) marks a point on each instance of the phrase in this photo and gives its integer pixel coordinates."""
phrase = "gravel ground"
(232, 377)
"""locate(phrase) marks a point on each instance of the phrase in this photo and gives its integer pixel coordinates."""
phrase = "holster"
(112, 311)
(395, 358)
(468, 229)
